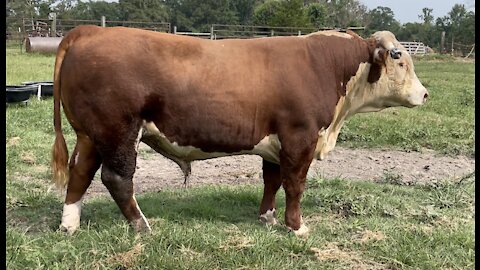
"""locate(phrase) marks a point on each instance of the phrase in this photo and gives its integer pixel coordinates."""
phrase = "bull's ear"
(380, 56)
(375, 72)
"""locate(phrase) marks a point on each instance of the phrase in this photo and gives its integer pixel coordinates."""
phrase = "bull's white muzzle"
(419, 97)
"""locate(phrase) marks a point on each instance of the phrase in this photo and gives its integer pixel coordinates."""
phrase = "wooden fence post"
(470, 51)
(103, 21)
(452, 44)
(53, 30)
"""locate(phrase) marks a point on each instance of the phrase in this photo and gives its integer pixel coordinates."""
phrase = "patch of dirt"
(369, 236)
(345, 258)
(155, 172)
(125, 260)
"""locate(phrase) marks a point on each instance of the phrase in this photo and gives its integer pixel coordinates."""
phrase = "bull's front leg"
(295, 158)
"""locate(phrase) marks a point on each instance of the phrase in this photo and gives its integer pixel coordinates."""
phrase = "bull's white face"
(399, 85)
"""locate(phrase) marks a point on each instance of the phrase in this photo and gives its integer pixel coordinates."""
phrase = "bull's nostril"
(425, 96)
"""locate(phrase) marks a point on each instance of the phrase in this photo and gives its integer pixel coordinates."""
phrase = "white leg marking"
(143, 217)
(71, 216)
(137, 141)
(269, 217)
(303, 231)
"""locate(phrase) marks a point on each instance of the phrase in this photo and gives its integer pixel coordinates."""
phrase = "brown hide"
(218, 96)
(221, 95)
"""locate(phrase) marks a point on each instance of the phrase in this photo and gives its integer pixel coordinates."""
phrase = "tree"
(462, 27)
(204, 13)
(24, 8)
(143, 10)
(317, 14)
(281, 13)
(426, 16)
(459, 26)
(199, 15)
(65, 9)
(423, 32)
(410, 32)
(457, 16)
(383, 18)
(344, 13)
(44, 8)
(244, 10)
(94, 10)
(267, 13)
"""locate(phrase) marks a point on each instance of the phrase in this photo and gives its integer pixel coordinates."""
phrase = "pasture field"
(354, 224)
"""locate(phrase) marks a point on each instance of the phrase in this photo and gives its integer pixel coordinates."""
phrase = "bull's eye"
(401, 64)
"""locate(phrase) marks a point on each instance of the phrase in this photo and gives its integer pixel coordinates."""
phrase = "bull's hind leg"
(84, 162)
(272, 182)
(118, 168)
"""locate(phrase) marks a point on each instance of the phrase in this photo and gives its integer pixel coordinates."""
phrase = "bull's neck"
(342, 54)
(359, 99)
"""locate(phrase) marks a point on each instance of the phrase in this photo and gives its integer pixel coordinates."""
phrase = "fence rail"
(28, 27)
(415, 48)
(222, 31)
(18, 29)
(21, 28)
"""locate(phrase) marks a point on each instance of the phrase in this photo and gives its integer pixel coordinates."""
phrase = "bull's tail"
(59, 161)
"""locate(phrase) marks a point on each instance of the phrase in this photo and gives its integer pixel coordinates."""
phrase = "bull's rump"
(221, 95)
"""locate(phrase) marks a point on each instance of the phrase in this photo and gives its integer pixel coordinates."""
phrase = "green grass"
(411, 227)
(22, 66)
(216, 228)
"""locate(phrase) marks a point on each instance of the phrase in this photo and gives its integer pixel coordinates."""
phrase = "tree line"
(199, 15)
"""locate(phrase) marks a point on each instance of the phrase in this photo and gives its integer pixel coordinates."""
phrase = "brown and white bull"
(282, 98)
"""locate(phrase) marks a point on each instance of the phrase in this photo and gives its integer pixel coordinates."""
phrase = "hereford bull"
(282, 98)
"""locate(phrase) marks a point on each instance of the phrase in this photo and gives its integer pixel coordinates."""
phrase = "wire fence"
(461, 50)
(222, 31)
(18, 29)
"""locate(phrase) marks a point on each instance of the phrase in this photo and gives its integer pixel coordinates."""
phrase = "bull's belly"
(268, 148)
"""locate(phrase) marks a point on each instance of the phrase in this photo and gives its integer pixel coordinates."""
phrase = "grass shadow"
(215, 204)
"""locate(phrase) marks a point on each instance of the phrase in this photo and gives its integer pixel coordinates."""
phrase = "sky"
(408, 10)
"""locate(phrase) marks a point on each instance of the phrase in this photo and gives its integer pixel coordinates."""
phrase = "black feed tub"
(46, 88)
(15, 93)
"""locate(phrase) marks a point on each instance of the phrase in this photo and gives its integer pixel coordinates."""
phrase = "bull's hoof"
(71, 217)
(269, 217)
(68, 229)
(141, 226)
(302, 232)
